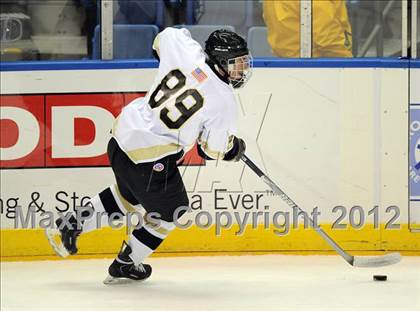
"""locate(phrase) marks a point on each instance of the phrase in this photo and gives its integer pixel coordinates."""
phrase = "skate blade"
(110, 280)
(53, 236)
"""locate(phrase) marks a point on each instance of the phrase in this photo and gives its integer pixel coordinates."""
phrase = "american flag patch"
(199, 75)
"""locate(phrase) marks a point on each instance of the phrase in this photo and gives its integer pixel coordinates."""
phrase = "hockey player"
(191, 101)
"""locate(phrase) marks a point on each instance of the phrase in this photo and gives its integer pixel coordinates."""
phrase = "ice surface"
(269, 282)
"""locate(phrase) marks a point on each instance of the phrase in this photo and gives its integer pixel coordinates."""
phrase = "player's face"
(240, 64)
(240, 70)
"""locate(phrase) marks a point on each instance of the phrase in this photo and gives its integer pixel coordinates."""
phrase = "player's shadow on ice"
(180, 289)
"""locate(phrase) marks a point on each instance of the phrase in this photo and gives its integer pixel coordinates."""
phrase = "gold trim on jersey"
(127, 205)
(216, 154)
(115, 125)
(154, 227)
(154, 152)
(230, 143)
(211, 153)
(156, 44)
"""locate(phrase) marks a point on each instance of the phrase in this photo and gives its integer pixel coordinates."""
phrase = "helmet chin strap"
(218, 69)
(221, 70)
(236, 84)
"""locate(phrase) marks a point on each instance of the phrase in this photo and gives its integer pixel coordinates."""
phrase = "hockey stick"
(355, 261)
(58, 247)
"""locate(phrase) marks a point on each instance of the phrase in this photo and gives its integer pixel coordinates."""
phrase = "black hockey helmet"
(230, 52)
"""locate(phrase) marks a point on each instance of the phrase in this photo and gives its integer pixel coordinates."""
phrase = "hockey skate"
(123, 270)
(63, 239)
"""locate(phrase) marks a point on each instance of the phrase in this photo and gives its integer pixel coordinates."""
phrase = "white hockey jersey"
(187, 103)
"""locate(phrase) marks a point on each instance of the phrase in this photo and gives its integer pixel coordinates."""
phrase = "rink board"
(31, 244)
(330, 133)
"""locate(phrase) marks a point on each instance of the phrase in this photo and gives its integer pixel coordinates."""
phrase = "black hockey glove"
(237, 150)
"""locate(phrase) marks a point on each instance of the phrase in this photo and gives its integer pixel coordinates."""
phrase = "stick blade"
(376, 261)
(53, 236)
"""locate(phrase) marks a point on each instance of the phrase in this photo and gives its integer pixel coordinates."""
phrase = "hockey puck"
(380, 277)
